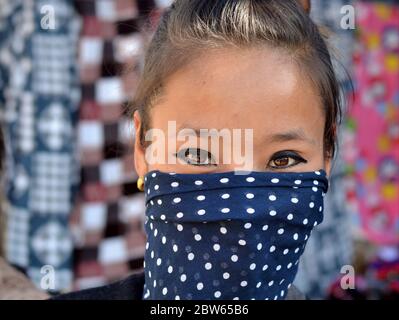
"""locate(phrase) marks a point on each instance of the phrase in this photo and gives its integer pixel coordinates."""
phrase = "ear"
(139, 150)
(306, 5)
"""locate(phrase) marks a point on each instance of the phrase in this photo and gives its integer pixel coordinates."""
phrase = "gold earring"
(140, 184)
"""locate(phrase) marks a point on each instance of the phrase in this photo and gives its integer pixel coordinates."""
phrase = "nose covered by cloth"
(228, 235)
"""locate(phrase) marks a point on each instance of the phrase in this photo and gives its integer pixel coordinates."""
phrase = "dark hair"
(189, 28)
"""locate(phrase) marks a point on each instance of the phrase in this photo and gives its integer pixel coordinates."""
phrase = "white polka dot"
(250, 210)
(295, 236)
(147, 245)
(252, 266)
(225, 210)
(201, 198)
(294, 200)
(170, 269)
(315, 224)
(289, 265)
(159, 261)
(190, 256)
(152, 202)
(311, 205)
(159, 201)
(201, 212)
(275, 180)
(314, 189)
(197, 237)
(156, 187)
(272, 249)
(296, 250)
(278, 268)
(270, 283)
(225, 196)
(198, 182)
(208, 266)
(179, 227)
(154, 175)
(177, 200)
(272, 197)
(234, 258)
(217, 294)
(163, 217)
(320, 209)
(200, 285)
(272, 213)
(164, 291)
(224, 180)
(250, 195)
(183, 277)
(174, 184)
(258, 284)
(152, 254)
(282, 293)
(223, 230)
(290, 216)
(243, 283)
(298, 182)
(306, 237)
(248, 225)
(177, 298)
(285, 251)
(250, 179)
(180, 215)
(317, 172)
(163, 239)
(216, 247)
(242, 242)
(175, 248)
(315, 182)
(226, 275)
(155, 232)
(172, 173)
(280, 231)
(305, 221)
(265, 267)
(265, 227)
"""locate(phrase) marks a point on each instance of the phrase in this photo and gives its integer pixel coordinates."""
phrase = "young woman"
(221, 226)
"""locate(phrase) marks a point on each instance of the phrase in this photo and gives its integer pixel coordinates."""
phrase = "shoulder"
(14, 284)
(130, 288)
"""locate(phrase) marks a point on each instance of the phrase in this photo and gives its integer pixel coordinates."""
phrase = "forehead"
(262, 89)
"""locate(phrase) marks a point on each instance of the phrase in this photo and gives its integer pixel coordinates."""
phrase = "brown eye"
(286, 159)
(282, 162)
(196, 157)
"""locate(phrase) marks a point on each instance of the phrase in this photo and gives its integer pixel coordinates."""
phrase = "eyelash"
(182, 154)
(286, 154)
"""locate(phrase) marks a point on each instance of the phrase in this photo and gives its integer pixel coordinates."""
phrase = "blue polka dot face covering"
(228, 236)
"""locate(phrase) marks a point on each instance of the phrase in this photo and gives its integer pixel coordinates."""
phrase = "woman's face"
(230, 91)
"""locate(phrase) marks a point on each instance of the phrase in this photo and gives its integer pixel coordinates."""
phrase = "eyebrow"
(291, 135)
(196, 131)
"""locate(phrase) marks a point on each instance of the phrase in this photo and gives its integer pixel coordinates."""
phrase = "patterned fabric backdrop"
(38, 104)
(107, 223)
(373, 155)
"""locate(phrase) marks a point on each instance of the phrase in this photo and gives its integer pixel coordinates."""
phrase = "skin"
(258, 88)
